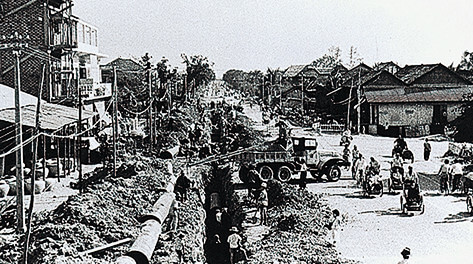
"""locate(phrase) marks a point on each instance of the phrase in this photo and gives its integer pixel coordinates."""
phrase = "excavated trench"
(221, 213)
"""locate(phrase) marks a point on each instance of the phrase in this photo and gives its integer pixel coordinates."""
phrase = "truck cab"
(306, 148)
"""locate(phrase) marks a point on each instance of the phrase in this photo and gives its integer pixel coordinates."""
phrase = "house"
(58, 40)
(297, 79)
(417, 100)
(127, 65)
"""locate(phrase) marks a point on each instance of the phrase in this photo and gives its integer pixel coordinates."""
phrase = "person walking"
(456, 172)
(406, 253)
(263, 204)
(303, 175)
(427, 150)
(334, 227)
(234, 242)
(444, 173)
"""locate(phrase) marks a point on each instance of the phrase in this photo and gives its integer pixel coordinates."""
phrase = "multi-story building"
(66, 46)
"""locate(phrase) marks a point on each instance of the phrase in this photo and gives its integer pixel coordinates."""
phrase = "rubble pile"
(298, 231)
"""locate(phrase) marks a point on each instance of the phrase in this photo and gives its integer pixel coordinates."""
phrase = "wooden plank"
(107, 246)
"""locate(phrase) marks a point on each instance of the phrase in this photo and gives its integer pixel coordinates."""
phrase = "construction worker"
(235, 245)
(263, 204)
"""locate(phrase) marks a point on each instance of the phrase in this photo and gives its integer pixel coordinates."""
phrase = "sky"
(251, 34)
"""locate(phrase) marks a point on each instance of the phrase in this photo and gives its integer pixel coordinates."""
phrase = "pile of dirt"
(105, 213)
(298, 233)
(186, 245)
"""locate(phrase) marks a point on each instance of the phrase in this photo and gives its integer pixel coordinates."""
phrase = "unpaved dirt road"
(376, 231)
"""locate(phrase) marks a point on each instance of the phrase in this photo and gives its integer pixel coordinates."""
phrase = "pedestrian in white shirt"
(456, 172)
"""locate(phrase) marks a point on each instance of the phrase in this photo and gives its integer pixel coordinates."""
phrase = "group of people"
(450, 175)
(362, 169)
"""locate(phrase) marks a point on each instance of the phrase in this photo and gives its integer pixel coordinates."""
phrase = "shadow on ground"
(456, 218)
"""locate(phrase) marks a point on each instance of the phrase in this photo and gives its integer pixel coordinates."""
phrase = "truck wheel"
(266, 173)
(334, 173)
(284, 174)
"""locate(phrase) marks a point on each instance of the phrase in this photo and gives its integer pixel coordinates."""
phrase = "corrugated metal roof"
(399, 95)
(7, 97)
(53, 116)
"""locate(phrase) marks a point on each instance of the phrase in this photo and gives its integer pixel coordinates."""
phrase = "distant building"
(124, 65)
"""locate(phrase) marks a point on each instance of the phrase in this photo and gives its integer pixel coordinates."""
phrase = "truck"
(284, 163)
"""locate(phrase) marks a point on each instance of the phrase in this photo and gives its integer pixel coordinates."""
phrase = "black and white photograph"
(234, 132)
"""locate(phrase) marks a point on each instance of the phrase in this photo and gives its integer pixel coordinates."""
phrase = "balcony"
(63, 34)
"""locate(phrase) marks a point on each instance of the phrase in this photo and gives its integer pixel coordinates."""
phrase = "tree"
(466, 62)
(199, 69)
(162, 68)
(329, 60)
(464, 122)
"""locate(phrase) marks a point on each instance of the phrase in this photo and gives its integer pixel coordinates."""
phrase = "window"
(311, 143)
(374, 114)
(82, 73)
(296, 141)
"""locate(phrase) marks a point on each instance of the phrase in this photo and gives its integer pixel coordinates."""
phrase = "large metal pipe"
(142, 249)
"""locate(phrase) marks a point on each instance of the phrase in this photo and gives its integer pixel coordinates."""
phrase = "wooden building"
(417, 100)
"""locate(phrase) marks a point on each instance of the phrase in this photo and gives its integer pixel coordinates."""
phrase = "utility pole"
(151, 134)
(280, 93)
(358, 95)
(302, 95)
(349, 104)
(79, 131)
(115, 121)
(16, 45)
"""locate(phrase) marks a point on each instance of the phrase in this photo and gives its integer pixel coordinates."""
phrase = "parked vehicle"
(284, 163)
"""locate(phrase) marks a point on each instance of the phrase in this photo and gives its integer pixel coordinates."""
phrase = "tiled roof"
(124, 64)
(293, 70)
(410, 73)
(401, 95)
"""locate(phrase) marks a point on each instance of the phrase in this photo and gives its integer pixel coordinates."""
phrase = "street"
(375, 231)
(443, 234)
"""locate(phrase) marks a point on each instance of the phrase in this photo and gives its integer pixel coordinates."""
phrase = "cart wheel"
(469, 205)
(334, 173)
(284, 174)
(266, 173)
(423, 209)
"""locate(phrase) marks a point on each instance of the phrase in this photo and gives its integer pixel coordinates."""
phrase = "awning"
(53, 116)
